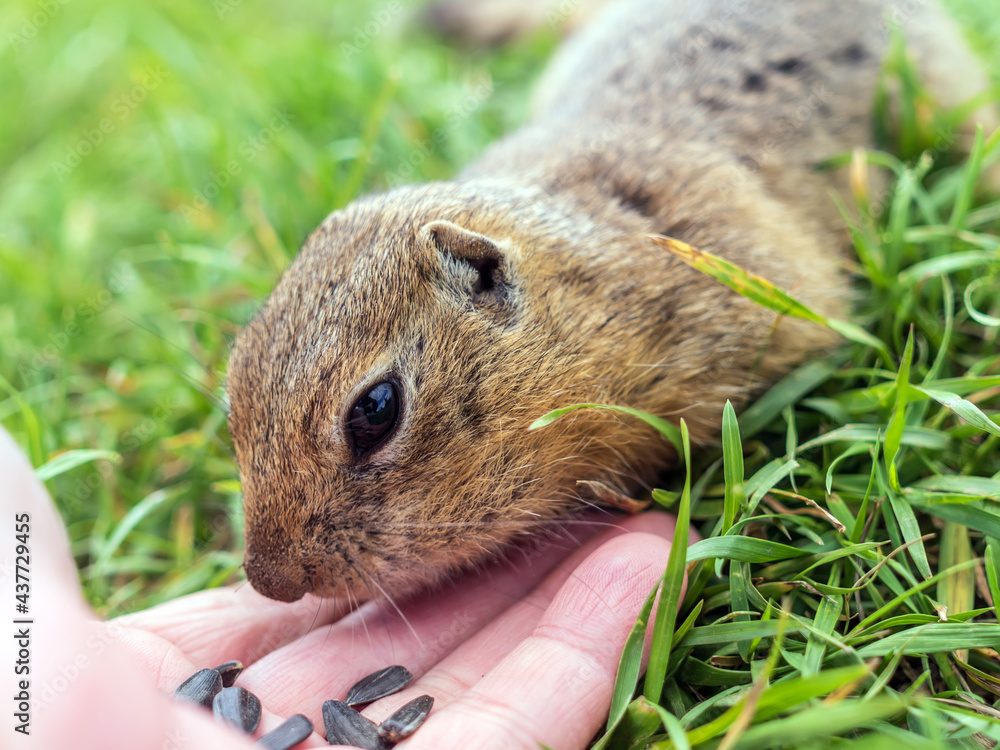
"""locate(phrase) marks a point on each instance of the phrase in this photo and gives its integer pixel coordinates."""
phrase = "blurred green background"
(160, 163)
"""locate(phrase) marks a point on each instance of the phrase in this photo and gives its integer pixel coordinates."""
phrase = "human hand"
(522, 653)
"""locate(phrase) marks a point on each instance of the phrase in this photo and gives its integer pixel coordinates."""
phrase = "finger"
(79, 687)
(288, 683)
(90, 702)
(555, 686)
(167, 667)
(327, 663)
(238, 623)
(210, 627)
(28, 513)
(466, 665)
(234, 622)
(417, 634)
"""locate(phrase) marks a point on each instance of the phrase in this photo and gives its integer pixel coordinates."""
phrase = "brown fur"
(701, 121)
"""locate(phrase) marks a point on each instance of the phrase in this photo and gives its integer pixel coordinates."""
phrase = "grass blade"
(909, 526)
(975, 515)
(673, 581)
(916, 437)
(827, 615)
(970, 175)
(822, 721)
(739, 581)
(897, 423)
(763, 292)
(972, 486)
(665, 428)
(766, 479)
(750, 285)
(713, 635)
(980, 317)
(992, 564)
(138, 512)
(935, 638)
(787, 391)
(965, 409)
(70, 460)
(732, 456)
(957, 591)
(629, 667)
(743, 549)
(31, 424)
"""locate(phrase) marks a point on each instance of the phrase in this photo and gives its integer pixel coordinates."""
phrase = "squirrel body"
(459, 312)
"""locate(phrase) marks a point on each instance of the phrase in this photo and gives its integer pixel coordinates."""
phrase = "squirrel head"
(379, 401)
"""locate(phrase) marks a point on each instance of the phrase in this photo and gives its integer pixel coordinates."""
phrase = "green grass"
(130, 255)
(851, 537)
(162, 163)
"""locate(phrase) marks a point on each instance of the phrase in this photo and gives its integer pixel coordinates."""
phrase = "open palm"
(522, 653)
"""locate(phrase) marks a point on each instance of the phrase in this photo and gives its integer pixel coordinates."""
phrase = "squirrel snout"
(276, 578)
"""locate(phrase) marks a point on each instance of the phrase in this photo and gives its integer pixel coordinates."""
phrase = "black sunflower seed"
(201, 687)
(288, 734)
(345, 726)
(378, 685)
(237, 707)
(406, 720)
(229, 671)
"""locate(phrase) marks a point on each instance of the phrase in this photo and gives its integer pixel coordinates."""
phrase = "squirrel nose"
(274, 579)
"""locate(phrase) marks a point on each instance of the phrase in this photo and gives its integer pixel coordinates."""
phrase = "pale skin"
(520, 654)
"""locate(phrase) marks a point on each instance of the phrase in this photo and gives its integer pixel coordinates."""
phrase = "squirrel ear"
(476, 250)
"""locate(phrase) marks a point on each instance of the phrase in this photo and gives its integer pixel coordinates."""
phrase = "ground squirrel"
(379, 400)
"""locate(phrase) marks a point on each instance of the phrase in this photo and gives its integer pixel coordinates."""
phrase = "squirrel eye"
(373, 417)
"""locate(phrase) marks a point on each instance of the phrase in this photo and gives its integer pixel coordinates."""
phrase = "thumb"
(74, 683)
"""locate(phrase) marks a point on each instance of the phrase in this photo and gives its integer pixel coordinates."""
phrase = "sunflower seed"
(229, 671)
(290, 733)
(237, 707)
(201, 687)
(345, 726)
(406, 720)
(378, 685)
